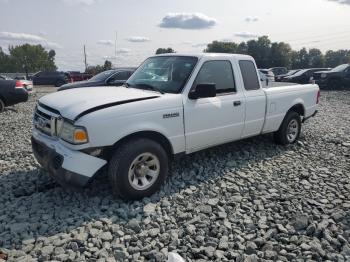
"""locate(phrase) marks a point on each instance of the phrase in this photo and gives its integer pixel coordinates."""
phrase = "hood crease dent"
(72, 104)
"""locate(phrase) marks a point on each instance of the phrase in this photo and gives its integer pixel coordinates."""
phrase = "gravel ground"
(246, 201)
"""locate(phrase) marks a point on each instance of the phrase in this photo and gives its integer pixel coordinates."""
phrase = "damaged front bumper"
(66, 166)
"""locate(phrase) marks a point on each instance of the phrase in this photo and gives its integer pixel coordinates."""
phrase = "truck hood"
(75, 103)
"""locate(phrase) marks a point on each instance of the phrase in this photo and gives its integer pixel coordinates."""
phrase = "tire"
(132, 163)
(2, 105)
(59, 83)
(289, 131)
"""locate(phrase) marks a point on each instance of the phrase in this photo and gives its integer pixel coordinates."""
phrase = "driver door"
(214, 120)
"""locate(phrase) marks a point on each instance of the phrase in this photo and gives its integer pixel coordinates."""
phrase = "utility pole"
(115, 48)
(85, 59)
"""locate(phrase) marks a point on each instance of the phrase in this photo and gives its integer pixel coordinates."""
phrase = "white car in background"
(27, 84)
(269, 74)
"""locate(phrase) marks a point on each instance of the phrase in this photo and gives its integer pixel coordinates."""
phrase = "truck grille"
(46, 123)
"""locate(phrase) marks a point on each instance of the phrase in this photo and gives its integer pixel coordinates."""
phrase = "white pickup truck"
(172, 104)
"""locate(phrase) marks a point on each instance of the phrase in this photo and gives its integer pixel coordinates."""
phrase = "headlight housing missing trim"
(73, 134)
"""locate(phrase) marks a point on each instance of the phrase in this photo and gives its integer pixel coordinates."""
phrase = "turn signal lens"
(80, 136)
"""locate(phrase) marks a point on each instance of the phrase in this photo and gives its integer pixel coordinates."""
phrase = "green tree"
(316, 58)
(221, 47)
(280, 55)
(301, 59)
(335, 58)
(31, 58)
(260, 50)
(164, 51)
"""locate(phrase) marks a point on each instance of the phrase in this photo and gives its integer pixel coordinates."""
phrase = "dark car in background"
(336, 78)
(303, 76)
(278, 71)
(55, 78)
(114, 77)
(290, 73)
(11, 92)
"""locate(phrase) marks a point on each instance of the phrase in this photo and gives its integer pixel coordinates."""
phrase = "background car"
(27, 84)
(11, 92)
(290, 72)
(78, 76)
(55, 78)
(336, 78)
(278, 71)
(303, 76)
(114, 77)
(269, 74)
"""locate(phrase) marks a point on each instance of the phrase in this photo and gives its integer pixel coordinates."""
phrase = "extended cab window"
(250, 77)
(219, 73)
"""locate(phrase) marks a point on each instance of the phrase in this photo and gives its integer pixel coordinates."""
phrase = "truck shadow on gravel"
(34, 206)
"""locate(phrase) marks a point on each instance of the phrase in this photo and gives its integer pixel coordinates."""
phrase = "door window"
(124, 75)
(219, 73)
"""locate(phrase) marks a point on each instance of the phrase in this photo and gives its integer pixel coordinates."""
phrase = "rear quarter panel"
(281, 99)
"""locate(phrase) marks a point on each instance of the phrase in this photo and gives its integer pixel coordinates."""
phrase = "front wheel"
(2, 105)
(138, 168)
(289, 131)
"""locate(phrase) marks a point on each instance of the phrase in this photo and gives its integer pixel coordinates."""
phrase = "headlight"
(73, 134)
(323, 75)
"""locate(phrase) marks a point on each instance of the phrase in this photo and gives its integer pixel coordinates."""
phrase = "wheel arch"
(299, 108)
(153, 135)
(3, 100)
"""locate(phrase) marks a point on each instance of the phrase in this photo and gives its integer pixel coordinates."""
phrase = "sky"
(142, 26)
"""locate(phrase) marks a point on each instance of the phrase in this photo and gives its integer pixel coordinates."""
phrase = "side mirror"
(202, 91)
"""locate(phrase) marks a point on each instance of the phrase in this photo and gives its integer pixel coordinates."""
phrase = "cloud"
(251, 19)
(344, 2)
(123, 51)
(27, 38)
(138, 39)
(105, 42)
(187, 21)
(20, 37)
(246, 35)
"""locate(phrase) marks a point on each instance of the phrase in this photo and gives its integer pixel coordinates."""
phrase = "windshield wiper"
(127, 85)
(147, 86)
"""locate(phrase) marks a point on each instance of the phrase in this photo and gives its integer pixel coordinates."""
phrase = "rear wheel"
(289, 131)
(59, 83)
(138, 168)
(2, 105)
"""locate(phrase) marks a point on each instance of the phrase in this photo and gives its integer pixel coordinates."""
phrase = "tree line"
(269, 54)
(27, 59)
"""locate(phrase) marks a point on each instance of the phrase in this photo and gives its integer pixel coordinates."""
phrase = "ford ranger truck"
(173, 104)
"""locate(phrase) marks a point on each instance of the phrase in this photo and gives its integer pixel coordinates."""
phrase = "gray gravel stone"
(247, 201)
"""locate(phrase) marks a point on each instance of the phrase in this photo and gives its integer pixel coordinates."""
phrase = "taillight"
(18, 84)
(318, 97)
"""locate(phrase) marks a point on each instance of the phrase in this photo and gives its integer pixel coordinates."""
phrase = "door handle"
(237, 103)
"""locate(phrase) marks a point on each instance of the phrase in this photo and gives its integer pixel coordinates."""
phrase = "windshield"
(102, 76)
(167, 74)
(301, 72)
(340, 68)
(292, 72)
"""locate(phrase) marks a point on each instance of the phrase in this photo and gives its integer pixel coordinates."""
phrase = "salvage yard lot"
(251, 199)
